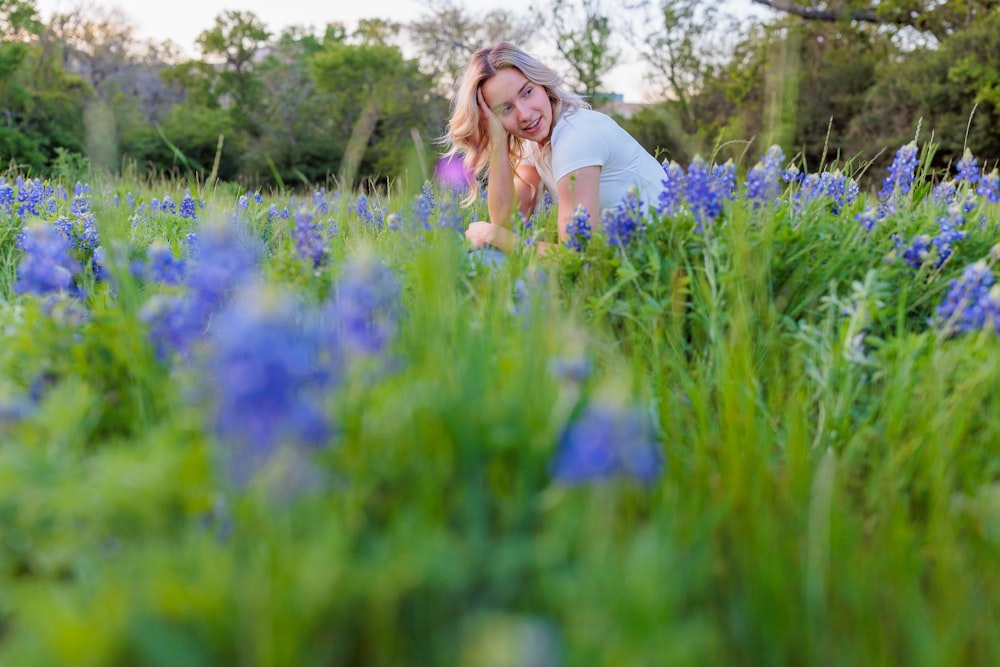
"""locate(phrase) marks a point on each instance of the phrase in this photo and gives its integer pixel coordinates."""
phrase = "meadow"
(755, 424)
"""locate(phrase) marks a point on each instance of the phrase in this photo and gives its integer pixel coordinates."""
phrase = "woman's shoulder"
(585, 120)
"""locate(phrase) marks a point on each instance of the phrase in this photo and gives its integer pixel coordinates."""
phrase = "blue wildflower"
(365, 305)
(764, 180)
(364, 213)
(269, 369)
(319, 201)
(623, 222)
(578, 231)
(899, 181)
(672, 196)
(607, 441)
(47, 265)
(162, 265)
(967, 305)
(188, 206)
(310, 242)
(424, 205)
(967, 168)
(989, 187)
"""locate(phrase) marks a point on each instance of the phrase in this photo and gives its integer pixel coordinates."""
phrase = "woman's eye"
(528, 91)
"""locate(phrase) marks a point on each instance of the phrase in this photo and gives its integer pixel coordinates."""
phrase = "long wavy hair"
(467, 133)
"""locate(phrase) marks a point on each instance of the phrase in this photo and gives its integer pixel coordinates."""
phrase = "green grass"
(823, 503)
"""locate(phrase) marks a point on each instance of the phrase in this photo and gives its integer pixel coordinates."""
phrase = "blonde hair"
(467, 129)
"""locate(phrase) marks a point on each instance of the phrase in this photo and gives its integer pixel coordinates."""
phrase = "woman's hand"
(494, 128)
(482, 233)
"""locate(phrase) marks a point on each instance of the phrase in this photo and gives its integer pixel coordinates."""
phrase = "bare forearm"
(501, 197)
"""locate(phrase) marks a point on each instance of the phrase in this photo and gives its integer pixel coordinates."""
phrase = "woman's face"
(523, 106)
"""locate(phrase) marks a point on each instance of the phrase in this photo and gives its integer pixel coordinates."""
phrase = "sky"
(181, 21)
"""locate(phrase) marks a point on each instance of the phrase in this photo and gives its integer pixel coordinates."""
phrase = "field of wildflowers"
(758, 425)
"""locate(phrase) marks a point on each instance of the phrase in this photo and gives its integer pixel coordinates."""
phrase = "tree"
(583, 38)
(380, 95)
(447, 36)
(236, 39)
(938, 18)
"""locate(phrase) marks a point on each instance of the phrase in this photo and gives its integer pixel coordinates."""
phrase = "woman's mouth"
(533, 127)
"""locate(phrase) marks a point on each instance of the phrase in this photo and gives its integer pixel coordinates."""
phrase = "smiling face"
(524, 107)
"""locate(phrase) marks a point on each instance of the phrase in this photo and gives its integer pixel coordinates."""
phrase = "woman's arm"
(581, 187)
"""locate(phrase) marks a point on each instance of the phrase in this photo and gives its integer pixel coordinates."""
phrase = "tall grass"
(831, 494)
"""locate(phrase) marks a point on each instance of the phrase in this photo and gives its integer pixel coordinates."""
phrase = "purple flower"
(989, 187)
(424, 205)
(310, 241)
(899, 181)
(162, 265)
(674, 184)
(47, 265)
(764, 180)
(607, 441)
(968, 306)
(578, 231)
(450, 172)
(967, 168)
(188, 206)
(623, 222)
(269, 370)
(365, 305)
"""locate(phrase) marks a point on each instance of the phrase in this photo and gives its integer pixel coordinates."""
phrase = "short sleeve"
(578, 141)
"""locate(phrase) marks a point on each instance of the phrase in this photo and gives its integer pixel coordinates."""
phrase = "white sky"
(181, 21)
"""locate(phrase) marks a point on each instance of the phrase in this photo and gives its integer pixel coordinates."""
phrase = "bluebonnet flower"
(869, 217)
(130, 200)
(451, 216)
(80, 204)
(705, 194)
(88, 236)
(219, 264)
(188, 207)
(258, 197)
(47, 265)
(989, 187)
(242, 203)
(899, 181)
(835, 186)
(6, 196)
(944, 192)
(967, 168)
(32, 196)
(269, 370)
(365, 305)
(764, 180)
(364, 213)
(168, 205)
(918, 251)
(162, 265)
(674, 183)
(310, 242)
(547, 201)
(607, 441)
(578, 231)
(319, 201)
(968, 305)
(424, 205)
(792, 174)
(623, 222)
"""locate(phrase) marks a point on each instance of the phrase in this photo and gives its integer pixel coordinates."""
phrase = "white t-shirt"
(587, 138)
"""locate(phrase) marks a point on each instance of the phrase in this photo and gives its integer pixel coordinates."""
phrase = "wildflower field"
(757, 425)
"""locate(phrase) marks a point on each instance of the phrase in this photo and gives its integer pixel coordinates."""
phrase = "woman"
(512, 117)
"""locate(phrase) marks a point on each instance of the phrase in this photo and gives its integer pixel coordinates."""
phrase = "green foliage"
(830, 496)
